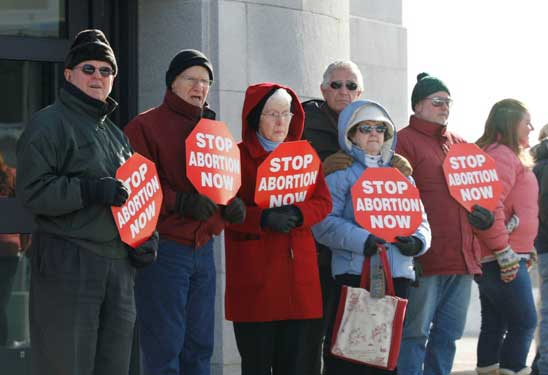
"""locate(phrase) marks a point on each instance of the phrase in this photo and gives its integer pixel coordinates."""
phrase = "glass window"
(28, 87)
(34, 18)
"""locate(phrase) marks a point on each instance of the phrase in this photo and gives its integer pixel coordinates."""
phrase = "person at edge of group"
(367, 133)
(341, 85)
(436, 312)
(82, 307)
(508, 314)
(175, 296)
(540, 155)
(272, 282)
(11, 246)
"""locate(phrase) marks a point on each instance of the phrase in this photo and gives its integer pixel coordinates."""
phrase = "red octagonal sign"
(137, 218)
(288, 175)
(386, 203)
(471, 176)
(213, 161)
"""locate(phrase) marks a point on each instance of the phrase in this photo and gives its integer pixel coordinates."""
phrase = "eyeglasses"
(89, 70)
(275, 115)
(350, 85)
(366, 129)
(439, 101)
(194, 81)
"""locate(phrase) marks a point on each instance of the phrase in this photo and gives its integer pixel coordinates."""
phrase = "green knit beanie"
(426, 85)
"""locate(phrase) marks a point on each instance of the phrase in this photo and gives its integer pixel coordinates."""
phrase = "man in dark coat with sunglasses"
(82, 307)
(341, 85)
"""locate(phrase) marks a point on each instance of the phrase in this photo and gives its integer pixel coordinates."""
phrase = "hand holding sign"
(136, 219)
(386, 203)
(471, 176)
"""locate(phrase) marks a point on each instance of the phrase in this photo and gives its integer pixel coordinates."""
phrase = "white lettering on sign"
(294, 162)
(388, 204)
(390, 221)
(137, 201)
(380, 187)
(214, 161)
(476, 193)
(279, 200)
(295, 181)
(140, 221)
(468, 161)
(214, 142)
(217, 180)
(473, 177)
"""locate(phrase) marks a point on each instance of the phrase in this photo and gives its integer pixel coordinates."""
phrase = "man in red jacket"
(437, 308)
(175, 296)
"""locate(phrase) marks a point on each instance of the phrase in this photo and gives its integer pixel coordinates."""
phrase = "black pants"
(337, 366)
(8, 268)
(316, 332)
(82, 310)
(273, 347)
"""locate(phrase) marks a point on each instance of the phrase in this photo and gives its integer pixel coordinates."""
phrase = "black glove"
(146, 253)
(480, 217)
(281, 219)
(234, 212)
(195, 206)
(370, 245)
(408, 245)
(105, 191)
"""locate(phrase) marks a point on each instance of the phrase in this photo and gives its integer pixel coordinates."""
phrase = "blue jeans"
(508, 318)
(542, 361)
(435, 319)
(175, 299)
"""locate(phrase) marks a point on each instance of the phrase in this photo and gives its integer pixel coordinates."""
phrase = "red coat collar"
(428, 128)
(179, 106)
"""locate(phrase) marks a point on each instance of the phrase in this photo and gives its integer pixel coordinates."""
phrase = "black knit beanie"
(90, 45)
(254, 115)
(426, 85)
(184, 60)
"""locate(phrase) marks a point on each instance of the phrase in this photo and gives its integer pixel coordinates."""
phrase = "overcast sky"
(484, 51)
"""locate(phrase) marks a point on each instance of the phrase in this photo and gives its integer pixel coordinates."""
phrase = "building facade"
(248, 41)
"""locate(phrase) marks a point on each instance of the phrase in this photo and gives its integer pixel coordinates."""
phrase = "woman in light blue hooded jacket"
(367, 133)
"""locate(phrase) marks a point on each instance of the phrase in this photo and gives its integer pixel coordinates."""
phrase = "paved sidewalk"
(465, 359)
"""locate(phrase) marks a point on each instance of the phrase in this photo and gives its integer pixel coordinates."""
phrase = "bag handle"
(364, 282)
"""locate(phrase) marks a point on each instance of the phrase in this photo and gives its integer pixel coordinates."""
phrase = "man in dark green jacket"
(82, 309)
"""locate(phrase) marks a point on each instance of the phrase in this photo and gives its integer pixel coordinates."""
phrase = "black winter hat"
(184, 60)
(90, 44)
(426, 85)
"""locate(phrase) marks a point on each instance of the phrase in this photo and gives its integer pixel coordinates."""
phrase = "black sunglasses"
(366, 129)
(350, 85)
(89, 70)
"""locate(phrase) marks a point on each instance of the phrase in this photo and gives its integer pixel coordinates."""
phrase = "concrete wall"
(285, 41)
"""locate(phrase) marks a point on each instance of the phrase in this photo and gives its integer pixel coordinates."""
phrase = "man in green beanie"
(436, 313)
(82, 307)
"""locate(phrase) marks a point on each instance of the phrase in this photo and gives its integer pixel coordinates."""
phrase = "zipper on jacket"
(291, 254)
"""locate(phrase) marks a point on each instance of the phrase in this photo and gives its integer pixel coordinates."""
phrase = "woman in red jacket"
(272, 282)
(508, 315)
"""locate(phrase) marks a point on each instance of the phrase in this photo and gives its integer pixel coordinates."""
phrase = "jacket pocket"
(305, 262)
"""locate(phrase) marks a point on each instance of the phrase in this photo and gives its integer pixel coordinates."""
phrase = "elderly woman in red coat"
(272, 282)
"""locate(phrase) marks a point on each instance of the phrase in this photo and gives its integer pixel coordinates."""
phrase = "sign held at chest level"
(137, 218)
(386, 203)
(287, 176)
(213, 161)
(471, 176)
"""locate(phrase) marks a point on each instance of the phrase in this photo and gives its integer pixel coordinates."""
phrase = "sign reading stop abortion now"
(213, 161)
(471, 176)
(386, 203)
(137, 218)
(288, 175)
